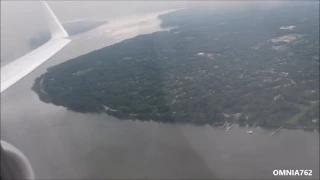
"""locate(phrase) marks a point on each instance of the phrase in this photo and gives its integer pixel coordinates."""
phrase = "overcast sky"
(22, 19)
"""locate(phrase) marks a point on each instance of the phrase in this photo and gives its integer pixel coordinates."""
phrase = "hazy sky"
(22, 19)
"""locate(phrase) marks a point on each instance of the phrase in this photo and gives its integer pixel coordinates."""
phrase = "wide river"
(64, 144)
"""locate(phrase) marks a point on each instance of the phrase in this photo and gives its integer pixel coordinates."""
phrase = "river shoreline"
(38, 88)
(96, 145)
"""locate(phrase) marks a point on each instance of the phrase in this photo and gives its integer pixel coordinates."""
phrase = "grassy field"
(303, 109)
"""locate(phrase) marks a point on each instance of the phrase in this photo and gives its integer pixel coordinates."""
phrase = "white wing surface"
(19, 68)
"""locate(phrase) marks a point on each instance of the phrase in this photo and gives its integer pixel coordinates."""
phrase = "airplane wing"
(14, 165)
(16, 70)
(19, 68)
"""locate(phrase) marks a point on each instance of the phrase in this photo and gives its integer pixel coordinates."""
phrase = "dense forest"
(73, 28)
(250, 65)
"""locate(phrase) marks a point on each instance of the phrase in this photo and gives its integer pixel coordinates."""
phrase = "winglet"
(57, 30)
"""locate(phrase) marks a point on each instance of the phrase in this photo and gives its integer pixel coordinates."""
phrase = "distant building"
(287, 27)
(277, 97)
(236, 116)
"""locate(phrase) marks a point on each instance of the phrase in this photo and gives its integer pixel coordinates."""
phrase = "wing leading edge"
(16, 70)
(15, 164)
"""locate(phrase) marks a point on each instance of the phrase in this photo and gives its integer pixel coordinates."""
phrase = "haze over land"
(14, 42)
(242, 65)
(101, 146)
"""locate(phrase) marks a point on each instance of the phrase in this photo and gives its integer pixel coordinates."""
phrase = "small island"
(237, 66)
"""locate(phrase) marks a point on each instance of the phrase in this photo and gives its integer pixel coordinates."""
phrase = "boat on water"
(228, 128)
(250, 130)
(223, 126)
(276, 131)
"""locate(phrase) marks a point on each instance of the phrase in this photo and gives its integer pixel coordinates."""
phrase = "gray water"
(64, 144)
